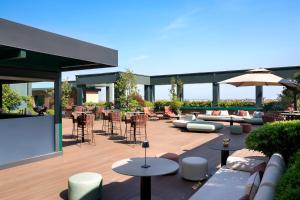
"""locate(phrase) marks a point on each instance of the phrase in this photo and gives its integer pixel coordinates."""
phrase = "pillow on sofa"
(224, 113)
(252, 185)
(216, 113)
(258, 114)
(245, 164)
(243, 113)
(209, 112)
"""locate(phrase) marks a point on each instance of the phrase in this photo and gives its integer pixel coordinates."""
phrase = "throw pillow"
(216, 113)
(252, 185)
(209, 112)
(242, 113)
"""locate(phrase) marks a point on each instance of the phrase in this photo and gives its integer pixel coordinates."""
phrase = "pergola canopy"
(25, 47)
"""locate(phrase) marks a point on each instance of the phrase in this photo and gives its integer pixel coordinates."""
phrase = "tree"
(176, 86)
(10, 99)
(125, 88)
(66, 90)
(287, 96)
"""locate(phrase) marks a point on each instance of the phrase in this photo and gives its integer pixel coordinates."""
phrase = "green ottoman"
(236, 130)
(85, 186)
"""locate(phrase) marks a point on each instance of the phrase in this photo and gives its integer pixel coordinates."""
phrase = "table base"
(224, 156)
(145, 188)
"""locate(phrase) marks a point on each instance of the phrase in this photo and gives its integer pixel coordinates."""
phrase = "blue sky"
(176, 36)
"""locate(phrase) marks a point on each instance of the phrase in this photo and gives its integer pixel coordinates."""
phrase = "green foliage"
(125, 87)
(197, 104)
(139, 99)
(66, 90)
(175, 106)
(50, 111)
(273, 106)
(286, 98)
(159, 105)
(172, 91)
(289, 184)
(282, 137)
(149, 104)
(10, 99)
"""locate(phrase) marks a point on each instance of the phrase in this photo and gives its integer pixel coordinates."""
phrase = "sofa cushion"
(204, 126)
(276, 160)
(244, 164)
(180, 123)
(265, 192)
(225, 184)
(224, 113)
(252, 185)
(216, 113)
(188, 117)
(258, 114)
(208, 112)
(243, 113)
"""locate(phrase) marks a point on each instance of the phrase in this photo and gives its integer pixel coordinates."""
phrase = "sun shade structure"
(29, 55)
(255, 77)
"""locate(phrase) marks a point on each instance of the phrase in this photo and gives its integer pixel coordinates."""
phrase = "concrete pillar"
(110, 92)
(57, 115)
(79, 95)
(179, 93)
(259, 96)
(216, 94)
(149, 92)
(84, 94)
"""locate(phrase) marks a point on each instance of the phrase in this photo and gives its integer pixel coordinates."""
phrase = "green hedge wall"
(289, 184)
(278, 137)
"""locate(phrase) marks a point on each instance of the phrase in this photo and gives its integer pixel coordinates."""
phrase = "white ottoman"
(194, 168)
(85, 186)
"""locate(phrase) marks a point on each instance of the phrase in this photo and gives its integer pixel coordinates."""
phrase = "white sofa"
(230, 182)
(224, 116)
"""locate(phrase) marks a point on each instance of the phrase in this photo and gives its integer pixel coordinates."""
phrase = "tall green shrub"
(289, 184)
(282, 137)
(66, 90)
(125, 87)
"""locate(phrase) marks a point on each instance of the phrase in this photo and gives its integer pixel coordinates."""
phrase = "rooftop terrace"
(47, 179)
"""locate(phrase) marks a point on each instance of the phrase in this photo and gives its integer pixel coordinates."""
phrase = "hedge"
(289, 184)
(282, 137)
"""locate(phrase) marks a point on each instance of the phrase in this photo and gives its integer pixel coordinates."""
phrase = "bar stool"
(106, 122)
(115, 122)
(138, 122)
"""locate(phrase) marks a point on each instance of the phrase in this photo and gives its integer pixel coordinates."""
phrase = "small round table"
(225, 150)
(133, 167)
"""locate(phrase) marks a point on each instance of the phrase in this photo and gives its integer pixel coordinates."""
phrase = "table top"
(231, 147)
(132, 166)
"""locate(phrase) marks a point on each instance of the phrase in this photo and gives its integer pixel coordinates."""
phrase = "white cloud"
(138, 58)
(181, 22)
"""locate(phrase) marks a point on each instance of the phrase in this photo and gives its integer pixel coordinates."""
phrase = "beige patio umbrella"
(263, 77)
(255, 77)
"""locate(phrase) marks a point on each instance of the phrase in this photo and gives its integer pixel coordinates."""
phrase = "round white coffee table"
(133, 167)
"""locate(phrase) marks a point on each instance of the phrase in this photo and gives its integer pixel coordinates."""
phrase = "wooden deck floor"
(47, 179)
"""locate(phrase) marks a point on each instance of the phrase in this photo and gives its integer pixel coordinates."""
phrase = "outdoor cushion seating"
(253, 120)
(194, 168)
(230, 181)
(204, 126)
(182, 122)
(85, 186)
(236, 130)
(246, 164)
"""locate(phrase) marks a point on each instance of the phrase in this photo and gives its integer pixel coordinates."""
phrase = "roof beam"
(13, 54)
